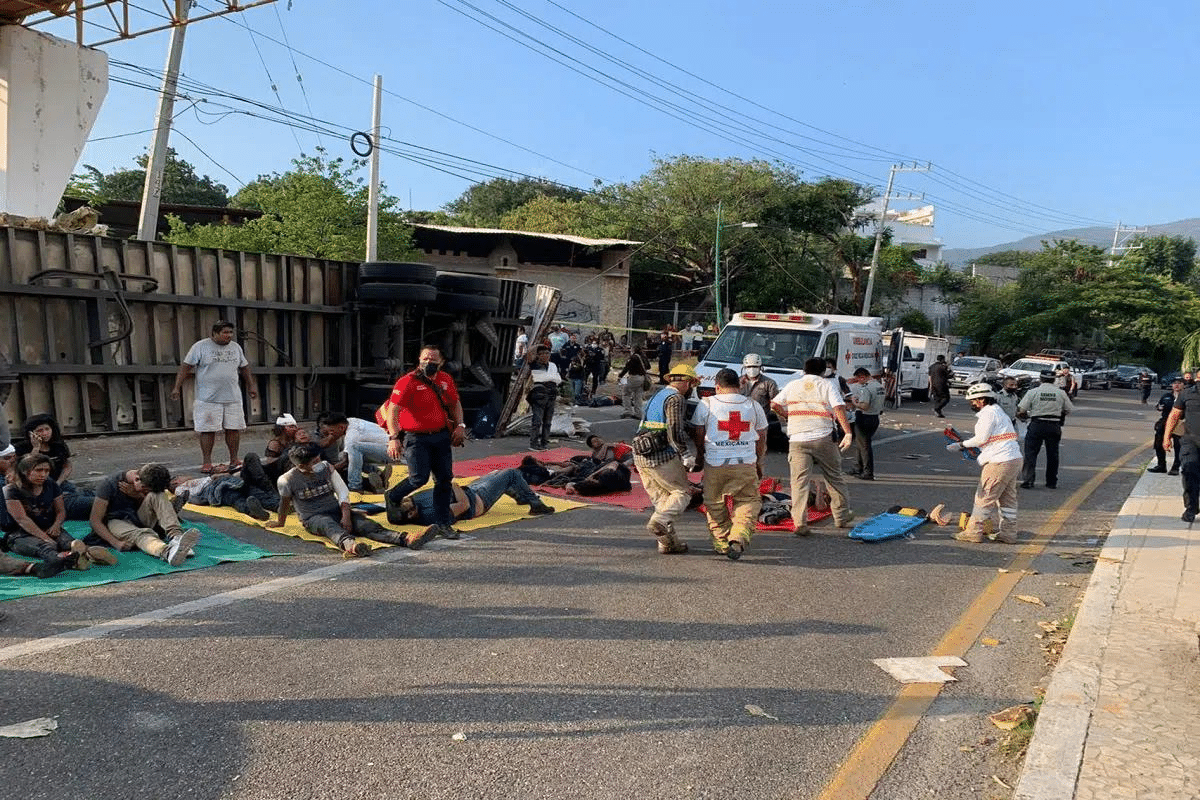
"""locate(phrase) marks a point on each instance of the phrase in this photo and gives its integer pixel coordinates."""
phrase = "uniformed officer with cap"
(1045, 406)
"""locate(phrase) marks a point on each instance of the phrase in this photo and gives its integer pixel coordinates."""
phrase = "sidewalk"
(1121, 717)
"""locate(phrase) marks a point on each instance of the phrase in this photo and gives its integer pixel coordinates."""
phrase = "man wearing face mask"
(1007, 399)
(754, 384)
(1001, 462)
(425, 418)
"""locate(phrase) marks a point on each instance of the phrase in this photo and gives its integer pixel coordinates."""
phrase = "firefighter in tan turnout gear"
(663, 453)
(731, 433)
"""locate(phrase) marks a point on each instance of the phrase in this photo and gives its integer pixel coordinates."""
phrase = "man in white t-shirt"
(217, 362)
(810, 404)
(731, 434)
(521, 345)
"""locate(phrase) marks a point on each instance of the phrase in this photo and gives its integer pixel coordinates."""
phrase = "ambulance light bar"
(801, 318)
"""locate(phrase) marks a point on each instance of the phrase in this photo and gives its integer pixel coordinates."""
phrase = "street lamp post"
(717, 261)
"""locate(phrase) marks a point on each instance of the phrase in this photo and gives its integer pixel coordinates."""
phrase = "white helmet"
(752, 360)
(980, 390)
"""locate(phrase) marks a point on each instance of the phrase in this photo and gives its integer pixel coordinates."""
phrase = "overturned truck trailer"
(94, 328)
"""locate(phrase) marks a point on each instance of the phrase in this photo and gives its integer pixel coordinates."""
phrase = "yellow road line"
(869, 760)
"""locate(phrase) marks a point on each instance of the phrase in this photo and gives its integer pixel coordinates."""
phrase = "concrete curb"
(1056, 751)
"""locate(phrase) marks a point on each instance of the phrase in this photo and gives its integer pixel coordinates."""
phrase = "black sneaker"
(48, 569)
(255, 509)
(1189, 515)
(736, 548)
(540, 508)
(418, 540)
(448, 532)
(1157, 469)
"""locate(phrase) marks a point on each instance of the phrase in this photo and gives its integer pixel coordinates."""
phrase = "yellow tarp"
(505, 511)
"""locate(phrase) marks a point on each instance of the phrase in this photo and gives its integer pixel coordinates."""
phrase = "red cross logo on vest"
(734, 426)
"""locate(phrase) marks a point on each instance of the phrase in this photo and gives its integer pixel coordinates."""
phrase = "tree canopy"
(317, 209)
(181, 184)
(485, 204)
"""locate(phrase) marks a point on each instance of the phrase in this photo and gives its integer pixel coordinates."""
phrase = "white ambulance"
(917, 352)
(786, 341)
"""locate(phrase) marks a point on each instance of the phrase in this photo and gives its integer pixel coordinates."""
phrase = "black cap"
(1048, 375)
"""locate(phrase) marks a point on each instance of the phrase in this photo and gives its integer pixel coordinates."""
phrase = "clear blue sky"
(1037, 116)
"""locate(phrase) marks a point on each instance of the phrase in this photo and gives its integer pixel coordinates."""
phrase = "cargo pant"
(155, 510)
(995, 510)
(668, 487)
(740, 482)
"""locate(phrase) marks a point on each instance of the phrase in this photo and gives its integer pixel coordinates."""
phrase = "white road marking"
(100, 630)
(922, 669)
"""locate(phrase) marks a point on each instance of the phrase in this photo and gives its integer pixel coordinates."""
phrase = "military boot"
(668, 542)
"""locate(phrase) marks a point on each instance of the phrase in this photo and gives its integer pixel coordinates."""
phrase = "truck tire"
(397, 293)
(396, 272)
(467, 283)
(466, 302)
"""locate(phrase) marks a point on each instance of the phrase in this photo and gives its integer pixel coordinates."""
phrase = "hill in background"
(963, 256)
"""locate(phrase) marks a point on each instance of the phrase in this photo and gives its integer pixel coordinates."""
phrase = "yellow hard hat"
(683, 371)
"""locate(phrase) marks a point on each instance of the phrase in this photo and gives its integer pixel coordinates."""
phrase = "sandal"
(207, 469)
(234, 466)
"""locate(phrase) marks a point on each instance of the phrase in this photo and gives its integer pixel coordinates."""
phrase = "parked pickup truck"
(969, 370)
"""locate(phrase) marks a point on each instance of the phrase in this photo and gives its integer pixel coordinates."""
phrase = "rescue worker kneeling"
(995, 512)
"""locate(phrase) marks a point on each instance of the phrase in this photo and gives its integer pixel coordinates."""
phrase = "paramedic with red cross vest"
(1000, 457)
(810, 404)
(731, 433)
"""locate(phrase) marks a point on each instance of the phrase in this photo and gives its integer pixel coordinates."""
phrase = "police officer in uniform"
(1187, 407)
(868, 405)
(1045, 406)
(663, 452)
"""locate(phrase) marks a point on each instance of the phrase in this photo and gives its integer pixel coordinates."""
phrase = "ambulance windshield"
(785, 348)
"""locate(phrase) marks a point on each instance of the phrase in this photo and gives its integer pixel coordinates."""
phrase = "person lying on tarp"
(602, 451)
(582, 475)
(475, 500)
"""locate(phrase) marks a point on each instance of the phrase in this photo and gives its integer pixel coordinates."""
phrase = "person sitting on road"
(133, 506)
(475, 500)
(43, 435)
(19, 567)
(34, 514)
(286, 433)
(322, 501)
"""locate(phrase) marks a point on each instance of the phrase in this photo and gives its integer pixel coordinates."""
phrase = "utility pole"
(152, 189)
(1119, 242)
(373, 189)
(887, 195)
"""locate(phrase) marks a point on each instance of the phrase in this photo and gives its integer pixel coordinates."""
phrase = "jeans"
(541, 415)
(577, 389)
(511, 482)
(427, 453)
(1042, 431)
(23, 544)
(363, 453)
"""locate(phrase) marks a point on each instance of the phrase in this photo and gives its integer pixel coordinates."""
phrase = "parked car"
(1128, 375)
(1170, 378)
(1096, 374)
(968, 370)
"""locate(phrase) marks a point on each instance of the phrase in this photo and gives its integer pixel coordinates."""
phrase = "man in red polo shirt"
(425, 417)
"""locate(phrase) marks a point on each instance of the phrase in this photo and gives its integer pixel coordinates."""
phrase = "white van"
(786, 341)
(917, 353)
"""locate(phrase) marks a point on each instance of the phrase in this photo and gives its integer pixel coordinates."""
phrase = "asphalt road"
(562, 657)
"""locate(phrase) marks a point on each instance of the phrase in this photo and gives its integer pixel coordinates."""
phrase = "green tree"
(181, 185)
(915, 321)
(318, 209)
(1172, 256)
(1005, 258)
(485, 204)
(545, 214)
